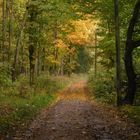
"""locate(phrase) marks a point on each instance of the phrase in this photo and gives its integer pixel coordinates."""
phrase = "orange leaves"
(83, 30)
(64, 48)
(60, 44)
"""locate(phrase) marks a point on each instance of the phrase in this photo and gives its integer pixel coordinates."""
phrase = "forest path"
(76, 117)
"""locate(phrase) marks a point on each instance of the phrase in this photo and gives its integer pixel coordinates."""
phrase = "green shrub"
(19, 102)
(5, 76)
(102, 87)
(132, 112)
(51, 85)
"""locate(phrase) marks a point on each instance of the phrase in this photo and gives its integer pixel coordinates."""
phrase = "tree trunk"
(3, 29)
(129, 99)
(43, 59)
(95, 57)
(32, 62)
(55, 49)
(32, 30)
(118, 62)
(18, 45)
(10, 11)
(38, 61)
(130, 46)
(62, 67)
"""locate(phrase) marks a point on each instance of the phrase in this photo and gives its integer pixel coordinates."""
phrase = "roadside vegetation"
(46, 45)
(20, 103)
(102, 78)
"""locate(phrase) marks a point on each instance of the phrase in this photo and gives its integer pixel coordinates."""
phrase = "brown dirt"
(76, 117)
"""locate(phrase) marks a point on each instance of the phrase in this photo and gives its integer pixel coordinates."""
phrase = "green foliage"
(49, 84)
(5, 79)
(19, 107)
(132, 112)
(102, 87)
(107, 45)
(19, 102)
(84, 60)
(21, 110)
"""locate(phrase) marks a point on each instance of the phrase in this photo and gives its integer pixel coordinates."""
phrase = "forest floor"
(75, 116)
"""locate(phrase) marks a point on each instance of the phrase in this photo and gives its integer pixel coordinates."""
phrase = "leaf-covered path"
(75, 117)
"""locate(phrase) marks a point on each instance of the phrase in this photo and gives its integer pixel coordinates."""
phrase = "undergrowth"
(20, 103)
(102, 87)
(103, 90)
(132, 112)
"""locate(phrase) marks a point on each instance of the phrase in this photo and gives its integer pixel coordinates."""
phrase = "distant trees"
(39, 36)
(35, 37)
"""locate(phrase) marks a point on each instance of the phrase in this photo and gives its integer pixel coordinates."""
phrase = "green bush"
(48, 84)
(5, 76)
(132, 112)
(102, 87)
(22, 110)
(19, 102)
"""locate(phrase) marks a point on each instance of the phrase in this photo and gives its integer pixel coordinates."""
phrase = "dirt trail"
(75, 117)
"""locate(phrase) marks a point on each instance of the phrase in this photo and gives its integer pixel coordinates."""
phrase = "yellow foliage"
(60, 44)
(83, 30)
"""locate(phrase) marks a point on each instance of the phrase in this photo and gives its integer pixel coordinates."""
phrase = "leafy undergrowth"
(18, 113)
(132, 112)
(103, 90)
(102, 87)
(20, 103)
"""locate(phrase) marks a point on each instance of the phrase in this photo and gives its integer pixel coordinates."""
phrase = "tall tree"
(131, 44)
(118, 65)
(18, 46)
(3, 29)
(33, 32)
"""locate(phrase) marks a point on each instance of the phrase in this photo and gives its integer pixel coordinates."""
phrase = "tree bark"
(3, 29)
(55, 49)
(32, 30)
(10, 11)
(130, 46)
(95, 57)
(17, 49)
(118, 62)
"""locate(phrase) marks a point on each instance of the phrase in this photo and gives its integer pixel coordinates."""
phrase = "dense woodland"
(36, 37)
(41, 40)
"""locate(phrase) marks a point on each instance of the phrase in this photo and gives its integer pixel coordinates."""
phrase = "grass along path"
(75, 117)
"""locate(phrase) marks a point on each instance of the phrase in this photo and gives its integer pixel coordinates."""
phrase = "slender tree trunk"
(55, 49)
(16, 57)
(62, 67)
(3, 29)
(130, 46)
(22, 69)
(95, 61)
(32, 62)
(118, 63)
(32, 11)
(10, 10)
(17, 49)
(43, 59)
(38, 62)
